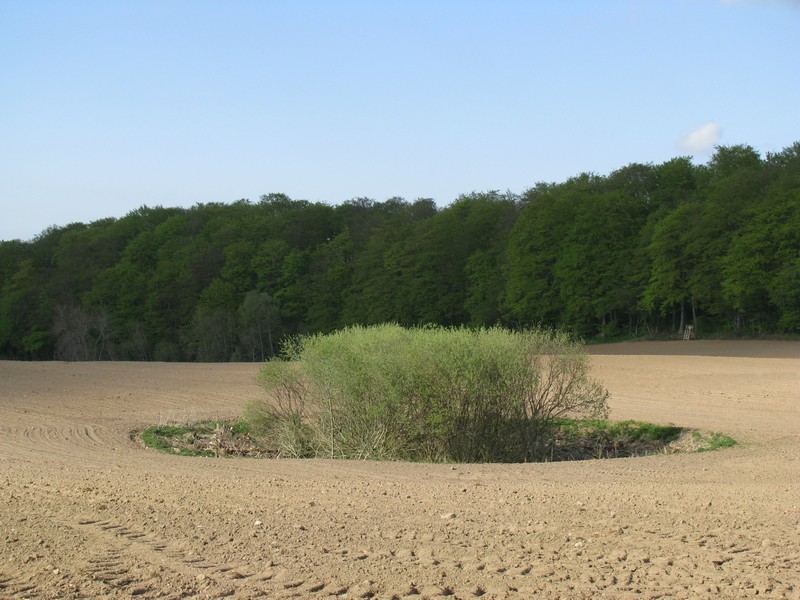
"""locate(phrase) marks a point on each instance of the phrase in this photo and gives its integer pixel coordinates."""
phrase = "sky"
(106, 106)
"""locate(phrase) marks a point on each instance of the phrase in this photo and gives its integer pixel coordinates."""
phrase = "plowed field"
(87, 512)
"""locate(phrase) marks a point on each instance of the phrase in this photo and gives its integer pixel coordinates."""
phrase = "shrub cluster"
(431, 393)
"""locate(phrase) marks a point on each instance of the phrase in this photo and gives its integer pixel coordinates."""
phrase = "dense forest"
(642, 251)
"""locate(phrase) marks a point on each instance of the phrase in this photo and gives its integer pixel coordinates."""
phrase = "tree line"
(642, 251)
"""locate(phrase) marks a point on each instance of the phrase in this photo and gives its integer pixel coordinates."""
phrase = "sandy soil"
(85, 512)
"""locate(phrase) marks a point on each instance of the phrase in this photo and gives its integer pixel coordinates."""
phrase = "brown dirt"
(86, 512)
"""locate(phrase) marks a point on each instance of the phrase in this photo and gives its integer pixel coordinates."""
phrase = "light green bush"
(386, 392)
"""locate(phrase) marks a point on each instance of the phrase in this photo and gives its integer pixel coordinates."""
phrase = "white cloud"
(702, 139)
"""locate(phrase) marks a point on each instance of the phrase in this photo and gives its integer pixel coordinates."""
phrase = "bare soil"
(88, 512)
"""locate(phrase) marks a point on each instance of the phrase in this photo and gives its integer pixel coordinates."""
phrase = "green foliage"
(644, 250)
(535, 245)
(282, 420)
(387, 392)
(671, 262)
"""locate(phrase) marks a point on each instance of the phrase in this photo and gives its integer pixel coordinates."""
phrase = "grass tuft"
(712, 441)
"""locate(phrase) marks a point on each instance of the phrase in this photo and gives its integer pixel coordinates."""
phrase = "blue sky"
(109, 105)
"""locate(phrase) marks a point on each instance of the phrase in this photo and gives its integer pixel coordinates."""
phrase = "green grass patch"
(569, 439)
(204, 438)
(712, 441)
(598, 438)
